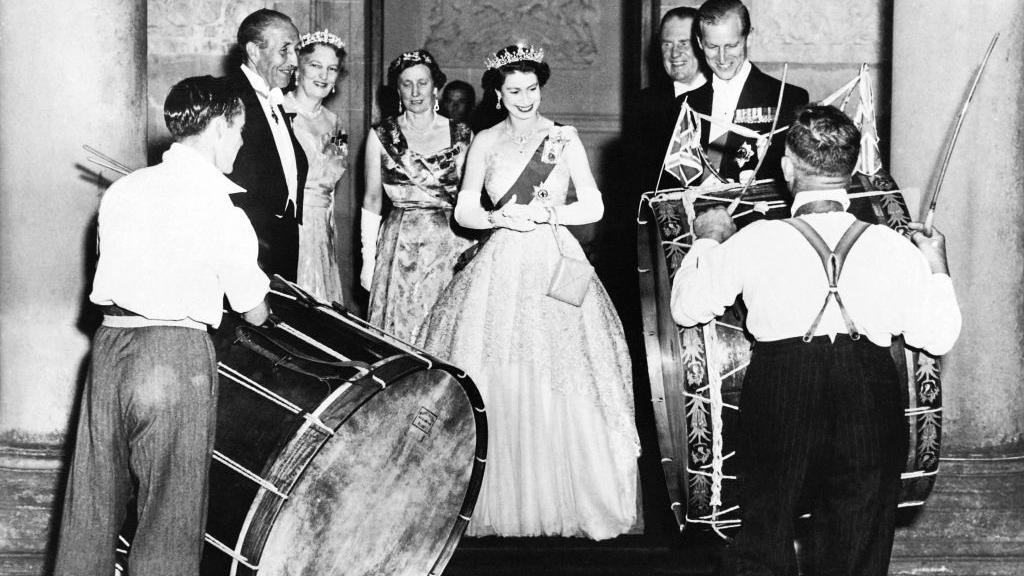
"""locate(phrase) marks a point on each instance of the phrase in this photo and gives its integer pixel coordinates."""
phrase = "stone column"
(974, 521)
(72, 73)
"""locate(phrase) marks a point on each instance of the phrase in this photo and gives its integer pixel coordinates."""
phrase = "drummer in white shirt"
(172, 245)
(821, 415)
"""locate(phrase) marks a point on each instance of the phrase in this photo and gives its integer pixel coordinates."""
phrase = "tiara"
(321, 37)
(504, 56)
(415, 56)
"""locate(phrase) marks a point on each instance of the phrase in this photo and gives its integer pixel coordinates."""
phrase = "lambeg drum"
(339, 449)
(697, 373)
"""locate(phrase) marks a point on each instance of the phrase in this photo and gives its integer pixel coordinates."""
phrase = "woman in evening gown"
(555, 377)
(416, 158)
(326, 146)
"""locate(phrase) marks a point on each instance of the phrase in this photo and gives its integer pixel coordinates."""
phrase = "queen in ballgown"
(555, 377)
(326, 146)
(416, 158)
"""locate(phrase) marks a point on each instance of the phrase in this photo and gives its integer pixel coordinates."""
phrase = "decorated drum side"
(697, 373)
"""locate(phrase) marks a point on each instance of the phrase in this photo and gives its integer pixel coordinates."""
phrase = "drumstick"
(771, 133)
(952, 141)
(113, 164)
(108, 166)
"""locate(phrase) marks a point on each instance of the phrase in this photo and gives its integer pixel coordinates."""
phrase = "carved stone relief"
(196, 26)
(817, 33)
(462, 33)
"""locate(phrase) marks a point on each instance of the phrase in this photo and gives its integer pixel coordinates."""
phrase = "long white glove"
(369, 226)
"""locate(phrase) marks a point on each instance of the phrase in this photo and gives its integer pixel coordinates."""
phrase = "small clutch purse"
(571, 279)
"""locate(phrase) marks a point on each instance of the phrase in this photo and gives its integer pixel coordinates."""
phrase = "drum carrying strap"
(833, 261)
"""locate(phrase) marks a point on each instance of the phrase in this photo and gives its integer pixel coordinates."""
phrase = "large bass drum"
(697, 373)
(339, 449)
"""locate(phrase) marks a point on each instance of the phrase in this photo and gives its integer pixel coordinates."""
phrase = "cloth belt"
(116, 317)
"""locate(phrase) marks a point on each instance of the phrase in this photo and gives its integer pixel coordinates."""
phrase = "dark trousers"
(146, 429)
(820, 424)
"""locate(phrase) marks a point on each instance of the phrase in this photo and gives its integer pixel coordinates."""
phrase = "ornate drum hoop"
(696, 374)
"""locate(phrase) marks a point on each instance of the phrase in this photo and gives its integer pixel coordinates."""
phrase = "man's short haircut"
(194, 102)
(253, 28)
(680, 12)
(823, 141)
(714, 11)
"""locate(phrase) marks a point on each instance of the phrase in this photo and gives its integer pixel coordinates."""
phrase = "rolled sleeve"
(705, 283)
(935, 321)
(243, 281)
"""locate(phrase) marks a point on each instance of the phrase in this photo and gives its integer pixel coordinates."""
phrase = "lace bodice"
(503, 168)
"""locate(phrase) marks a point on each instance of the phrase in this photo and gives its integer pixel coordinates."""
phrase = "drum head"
(377, 499)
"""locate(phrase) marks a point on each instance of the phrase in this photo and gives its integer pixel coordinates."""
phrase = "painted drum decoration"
(339, 449)
(697, 373)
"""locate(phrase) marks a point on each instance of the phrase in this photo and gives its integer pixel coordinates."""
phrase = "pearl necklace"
(421, 131)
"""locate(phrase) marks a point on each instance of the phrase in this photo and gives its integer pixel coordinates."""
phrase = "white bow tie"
(275, 97)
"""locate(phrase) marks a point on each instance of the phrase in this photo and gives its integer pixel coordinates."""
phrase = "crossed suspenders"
(832, 260)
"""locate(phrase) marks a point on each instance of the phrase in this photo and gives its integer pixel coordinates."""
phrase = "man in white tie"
(739, 93)
(271, 165)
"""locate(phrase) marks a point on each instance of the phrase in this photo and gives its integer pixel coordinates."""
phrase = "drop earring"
(437, 106)
(497, 105)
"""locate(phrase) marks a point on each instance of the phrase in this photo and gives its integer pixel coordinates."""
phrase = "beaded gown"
(418, 246)
(555, 378)
(321, 139)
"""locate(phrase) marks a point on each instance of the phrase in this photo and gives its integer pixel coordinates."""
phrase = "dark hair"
(714, 11)
(415, 58)
(494, 78)
(194, 102)
(308, 49)
(254, 26)
(460, 85)
(680, 12)
(823, 141)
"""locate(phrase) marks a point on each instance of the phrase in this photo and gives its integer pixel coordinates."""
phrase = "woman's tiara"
(321, 37)
(503, 56)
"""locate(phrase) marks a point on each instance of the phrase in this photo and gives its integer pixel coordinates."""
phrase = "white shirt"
(172, 244)
(726, 96)
(886, 285)
(271, 100)
(679, 88)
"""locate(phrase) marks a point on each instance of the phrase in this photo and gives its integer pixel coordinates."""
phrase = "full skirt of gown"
(557, 385)
(416, 255)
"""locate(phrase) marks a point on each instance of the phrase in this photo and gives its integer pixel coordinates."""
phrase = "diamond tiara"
(522, 53)
(321, 37)
(415, 56)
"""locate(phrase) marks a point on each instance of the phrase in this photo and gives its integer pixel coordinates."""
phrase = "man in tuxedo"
(738, 93)
(659, 103)
(270, 165)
